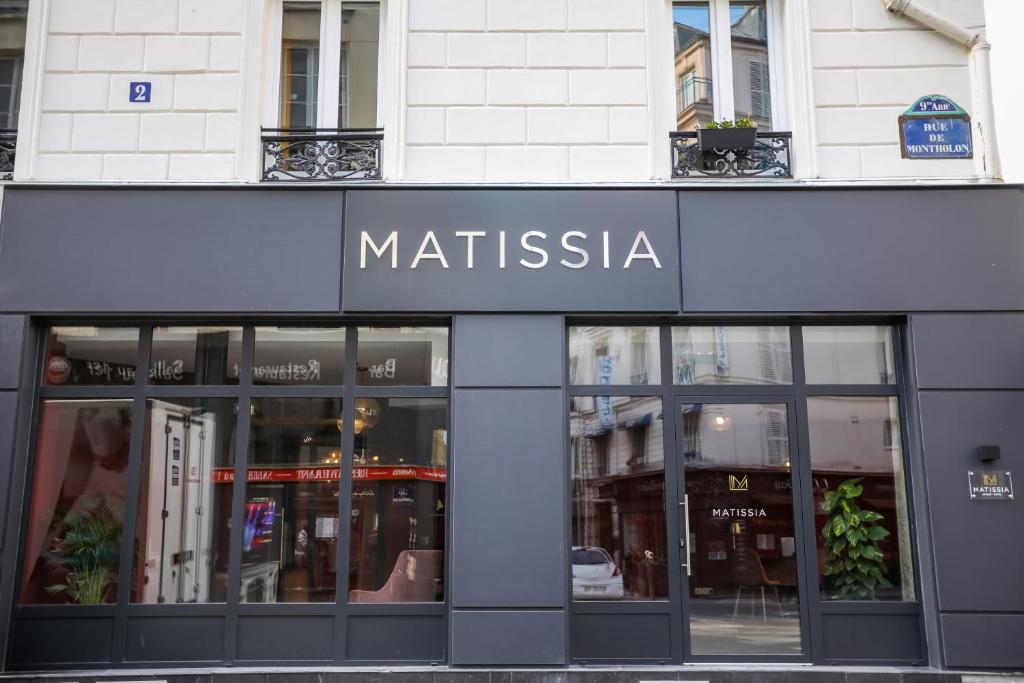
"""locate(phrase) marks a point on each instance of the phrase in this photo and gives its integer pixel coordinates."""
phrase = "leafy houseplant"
(740, 134)
(854, 564)
(88, 550)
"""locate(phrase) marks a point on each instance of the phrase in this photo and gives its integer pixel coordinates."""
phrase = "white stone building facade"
(470, 91)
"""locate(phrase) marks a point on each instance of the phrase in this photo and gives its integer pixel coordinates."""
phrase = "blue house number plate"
(140, 91)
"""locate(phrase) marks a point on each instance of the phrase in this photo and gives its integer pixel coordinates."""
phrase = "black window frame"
(796, 393)
(122, 611)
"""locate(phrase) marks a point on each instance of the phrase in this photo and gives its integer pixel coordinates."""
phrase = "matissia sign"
(519, 250)
(533, 243)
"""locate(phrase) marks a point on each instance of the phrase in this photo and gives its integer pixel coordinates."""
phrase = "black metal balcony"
(768, 158)
(8, 143)
(308, 154)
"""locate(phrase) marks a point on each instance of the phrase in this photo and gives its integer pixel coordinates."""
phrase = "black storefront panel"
(509, 405)
(852, 250)
(170, 251)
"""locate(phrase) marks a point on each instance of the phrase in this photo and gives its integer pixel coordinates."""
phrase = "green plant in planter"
(854, 564)
(88, 549)
(727, 123)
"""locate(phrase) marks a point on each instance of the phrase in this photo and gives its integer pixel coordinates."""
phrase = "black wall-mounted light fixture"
(988, 453)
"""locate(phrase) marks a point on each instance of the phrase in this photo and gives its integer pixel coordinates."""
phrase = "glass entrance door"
(740, 539)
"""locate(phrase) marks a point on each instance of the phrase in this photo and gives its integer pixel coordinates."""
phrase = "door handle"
(684, 542)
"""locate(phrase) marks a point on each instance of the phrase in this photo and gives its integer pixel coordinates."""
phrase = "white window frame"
(785, 18)
(329, 63)
(721, 62)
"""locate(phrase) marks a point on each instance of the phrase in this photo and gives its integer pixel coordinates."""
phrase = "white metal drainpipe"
(987, 164)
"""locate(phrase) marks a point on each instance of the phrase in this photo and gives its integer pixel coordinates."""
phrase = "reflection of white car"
(594, 574)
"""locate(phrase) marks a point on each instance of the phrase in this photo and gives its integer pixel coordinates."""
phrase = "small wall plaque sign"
(990, 485)
(935, 127)
(140, 91)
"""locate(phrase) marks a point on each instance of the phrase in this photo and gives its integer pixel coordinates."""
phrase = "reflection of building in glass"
(749, 45)
(732, 355)
(619, 489)
(747, 54)
(614, 355)
(694, 99)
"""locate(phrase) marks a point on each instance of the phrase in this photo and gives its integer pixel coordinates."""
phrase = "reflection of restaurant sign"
(739, 483)
(729, 513)
(388, 363)
(307, 371)
(58, 370)
(162, 370)
(225, 475)
(402, 494)
(990, 485)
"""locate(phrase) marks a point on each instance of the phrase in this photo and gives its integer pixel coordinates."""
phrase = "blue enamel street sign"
(935, 127)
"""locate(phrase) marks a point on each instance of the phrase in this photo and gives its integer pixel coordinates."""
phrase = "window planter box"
(726, 139)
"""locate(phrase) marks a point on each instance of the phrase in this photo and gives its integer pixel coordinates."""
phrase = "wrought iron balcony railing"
(768, 158)
(8, 144)
(319, 154)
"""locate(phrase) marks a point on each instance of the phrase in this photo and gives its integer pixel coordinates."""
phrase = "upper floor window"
(12, 54)
(329, 64)
(724, 62)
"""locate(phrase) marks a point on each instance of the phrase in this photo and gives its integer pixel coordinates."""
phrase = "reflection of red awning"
(226, 475)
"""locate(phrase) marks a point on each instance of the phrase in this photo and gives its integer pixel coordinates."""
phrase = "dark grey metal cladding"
(596, 638)
(394, 638)
(872, 638)
(57, 641)
(977, 565)
(506, 350)
(12, 334)
(988, 641)
(487, 287)
(496, 638)
(292, 638)
(8, 415)
(175, 639)
(977, 351)
(509, 499)
(130, 250)
(852, 250)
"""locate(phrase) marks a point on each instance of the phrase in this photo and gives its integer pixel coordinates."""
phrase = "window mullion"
(721, 46)
(775, 70)
(330, 58)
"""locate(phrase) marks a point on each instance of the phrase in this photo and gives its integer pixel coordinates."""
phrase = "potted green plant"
(723, 135)
(88, 550)
(854, 564)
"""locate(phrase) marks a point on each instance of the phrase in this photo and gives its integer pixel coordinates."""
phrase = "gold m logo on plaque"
(989, 479)
(738, 483)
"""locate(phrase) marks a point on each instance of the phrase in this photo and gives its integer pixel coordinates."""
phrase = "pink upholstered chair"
(414, 579)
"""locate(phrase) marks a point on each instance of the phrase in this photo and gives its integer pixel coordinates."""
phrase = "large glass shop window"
(862, 522)
(183, 525)
(619, 547)
(76, 512)
(399, 473)
(289, 534)
(736, 399)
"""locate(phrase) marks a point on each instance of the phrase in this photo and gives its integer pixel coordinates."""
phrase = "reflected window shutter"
(760, 90)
